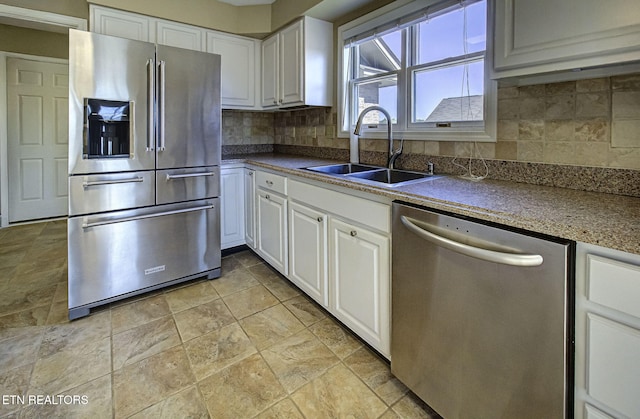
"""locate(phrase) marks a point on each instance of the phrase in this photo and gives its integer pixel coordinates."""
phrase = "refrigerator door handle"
(170, 177)
(142, 217)
(151, 82)
(505, 258)
(161, 107)
(110, 182)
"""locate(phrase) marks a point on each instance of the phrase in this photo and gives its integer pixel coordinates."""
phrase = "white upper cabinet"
(122, 24)
(240, 56)
(180, 35)
(533, 37)
(297, 65)
(239, 66)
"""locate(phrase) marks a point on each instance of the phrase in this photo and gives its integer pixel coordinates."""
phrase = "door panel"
(37, 139)
(115, 69)
(191, 115)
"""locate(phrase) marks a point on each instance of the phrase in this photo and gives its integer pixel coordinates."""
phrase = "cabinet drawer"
(271, 182)
(613, 370)
(369, 213)
(614, 284)
(177, 185)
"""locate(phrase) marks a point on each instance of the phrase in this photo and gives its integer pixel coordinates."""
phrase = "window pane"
(379, 92)
(380, 55)
(449, 94)
(444, 36)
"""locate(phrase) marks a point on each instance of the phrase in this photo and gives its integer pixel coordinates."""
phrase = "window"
(425, 66)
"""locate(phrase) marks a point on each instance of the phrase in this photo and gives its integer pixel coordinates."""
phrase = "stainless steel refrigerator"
(144, 156)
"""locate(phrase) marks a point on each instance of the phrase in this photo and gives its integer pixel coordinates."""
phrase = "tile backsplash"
(593, 122)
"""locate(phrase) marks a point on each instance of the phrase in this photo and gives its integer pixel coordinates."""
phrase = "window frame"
(405, 128)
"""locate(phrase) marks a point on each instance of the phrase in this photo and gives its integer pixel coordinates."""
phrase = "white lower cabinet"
(250, 207)
(308, 251)
(232, 210)
(339, 254)
(607, 333)
(271, 220)
(360, 281)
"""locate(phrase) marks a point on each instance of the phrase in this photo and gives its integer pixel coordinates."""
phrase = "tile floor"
(245, 345)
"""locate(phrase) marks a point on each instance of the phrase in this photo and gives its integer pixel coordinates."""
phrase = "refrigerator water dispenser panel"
(107, 129)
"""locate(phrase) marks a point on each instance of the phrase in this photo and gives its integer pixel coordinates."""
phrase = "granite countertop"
(606, 220)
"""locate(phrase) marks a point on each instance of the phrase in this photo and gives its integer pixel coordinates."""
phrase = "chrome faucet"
(393, 155)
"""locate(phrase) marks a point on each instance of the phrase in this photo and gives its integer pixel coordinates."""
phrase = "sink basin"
(372, 174)
(391, 176)
(342, 169)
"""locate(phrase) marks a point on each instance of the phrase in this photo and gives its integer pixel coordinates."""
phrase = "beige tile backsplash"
(593, 122)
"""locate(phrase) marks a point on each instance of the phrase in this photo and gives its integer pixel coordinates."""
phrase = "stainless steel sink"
(342, 169)
(373, 174)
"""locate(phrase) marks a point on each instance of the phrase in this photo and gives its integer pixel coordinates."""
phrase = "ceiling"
(247, 2)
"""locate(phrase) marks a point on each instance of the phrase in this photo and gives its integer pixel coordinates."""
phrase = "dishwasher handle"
(505, 258)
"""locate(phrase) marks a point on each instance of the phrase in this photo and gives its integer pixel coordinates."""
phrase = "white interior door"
(37, 140)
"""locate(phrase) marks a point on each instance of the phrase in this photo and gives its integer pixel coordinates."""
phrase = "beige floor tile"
(71, 367)
(62, 292)
(299, 359)
(190, 296)
(59, 313)
(139, 312)
(21, 349)
(185, 404)
(147, 382)
(229, 264)
(242, 390)
(252, 300)
(68, 336)
(143, 341)
(203, 319)
(234, 281)
(285, 409)
(218, 349)
(338, 339)
(14, 382)
(15, 323)
(411, 407)
(93, 401)
(247, 258)
(377, 375)
(279, 286)
(270, 326)
(17, 299)
(323, 397)
(305, 310)
(390, 414)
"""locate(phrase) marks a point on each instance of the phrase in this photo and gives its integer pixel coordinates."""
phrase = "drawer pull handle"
(353, 233)
(111, 182)
(186, 175)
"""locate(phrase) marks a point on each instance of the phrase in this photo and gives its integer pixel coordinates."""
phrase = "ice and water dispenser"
(107, 126)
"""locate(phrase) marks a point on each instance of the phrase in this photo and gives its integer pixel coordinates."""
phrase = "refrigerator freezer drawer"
(124, 252)
(177, 185)
(110, 192)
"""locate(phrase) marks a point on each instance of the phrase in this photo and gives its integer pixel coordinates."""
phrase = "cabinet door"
(291, 64)
(250, 207)
(269, 82)
(360, 282)
(232, 207)
(308, 251)
(272, 229)
(121, 24)
(238, 68)
(550, 35)
(180, 36)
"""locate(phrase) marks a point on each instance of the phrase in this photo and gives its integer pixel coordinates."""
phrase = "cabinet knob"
(319, 219)
(269, 183)
(250, 173)
(353, 233)
(280, 101)
(275, 102)
(267, 197)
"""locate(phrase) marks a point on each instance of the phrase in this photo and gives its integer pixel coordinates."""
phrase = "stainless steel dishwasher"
(481, 317)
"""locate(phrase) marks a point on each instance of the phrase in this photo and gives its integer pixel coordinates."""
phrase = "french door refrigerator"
(144, 156)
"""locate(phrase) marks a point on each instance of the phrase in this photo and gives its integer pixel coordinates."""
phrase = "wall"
(33, 42)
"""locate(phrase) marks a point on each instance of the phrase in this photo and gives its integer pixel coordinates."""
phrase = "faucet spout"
(390, 158)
